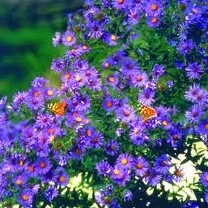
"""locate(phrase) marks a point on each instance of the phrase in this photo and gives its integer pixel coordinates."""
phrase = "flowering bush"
(130, 112)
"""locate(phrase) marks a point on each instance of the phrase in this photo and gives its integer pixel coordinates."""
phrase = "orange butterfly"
(58, 108)
(146, 112)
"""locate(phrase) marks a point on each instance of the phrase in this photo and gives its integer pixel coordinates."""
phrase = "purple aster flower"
(203, 127)
(153, 21)
(125, 113)
(76, 119)
(44, 120)
(110, 39)
(158, 71)
(80, 64)
(190, 204)
(165, 123)
(197, 95)
(50, 93)
(141, 166)
(193, 114)
(103, 168)
(136, 129)
(204, 179)
(18, 100)
(146, 96)
(153, 8)
(112, 148)
(80, 79)
(77, 152)
(109, 104)
(194, 71)
(120, 4)
(185, 46)
(133, 15)
(68, 38)
(107, 63)
(50, 193)
(124, 161)
(39, 82)
(57, 39)
(152, 177)
(95, 30)
(140, 139)
(96, 140)
(138, 79)
(94, 83)
(113, 80)
(175, 137)
(43, 165)
(25, 197)
(104, 198)
(178, 174)
(129, 67)
(120, 175)
(20, 180)
(192, 92)
(58, 65)
(83, 48)
(128, 196)
(80, 102)
(62, 178)
(162, 164)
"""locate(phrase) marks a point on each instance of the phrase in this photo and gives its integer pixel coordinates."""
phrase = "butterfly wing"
(58, 108)
(147, 112)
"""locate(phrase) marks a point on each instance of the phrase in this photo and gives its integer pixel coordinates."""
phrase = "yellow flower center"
(154, 20)
(84, 47)
(21, 163)
(116, 172)
(124, 161)
(139, 166)
(78, 78)
(139, 78)
(69, 38)
(111, 79)
(24, 197)
(206, 126)
(120, 1)
(50, 92)
(113, 37)
(42, 165)
(109, 104)
(78, 119)
(154, 7)
(164, 123)
(178, 173)
(126, 113)
(106, 65)
(88, 132)
(19, 182)
(78, 151)
(67, 76)
(61, 179)
(136, 130)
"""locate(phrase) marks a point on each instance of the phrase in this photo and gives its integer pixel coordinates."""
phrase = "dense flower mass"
(132, 100)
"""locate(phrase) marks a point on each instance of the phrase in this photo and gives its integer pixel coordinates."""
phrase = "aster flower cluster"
(132, 98)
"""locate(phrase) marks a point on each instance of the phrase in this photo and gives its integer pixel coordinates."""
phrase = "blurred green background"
(26, 31)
